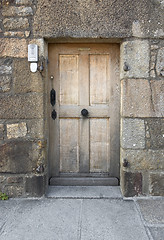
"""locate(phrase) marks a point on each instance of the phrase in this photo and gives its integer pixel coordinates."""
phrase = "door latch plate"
(53, 97)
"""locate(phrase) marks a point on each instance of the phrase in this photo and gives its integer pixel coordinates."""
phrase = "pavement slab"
(70, 219)
(152, 213)
(47, 219)
(82, 214)
(152, 210)
(111, 219)
(157, 233)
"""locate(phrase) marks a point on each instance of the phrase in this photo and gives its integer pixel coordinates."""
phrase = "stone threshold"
(84, 192)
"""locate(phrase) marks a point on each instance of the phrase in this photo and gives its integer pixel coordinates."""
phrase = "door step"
(84, 192)
(83, 181)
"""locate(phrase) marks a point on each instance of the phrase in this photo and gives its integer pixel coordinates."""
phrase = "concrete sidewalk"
(87, 213)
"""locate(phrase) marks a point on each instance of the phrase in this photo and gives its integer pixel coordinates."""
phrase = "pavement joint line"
(27, 198)
(80, 220)
(156, 225)
(9, 217)
(149, 233)
(69, 197)
(91, 198)
(2, 228)
(147, 198)
(143, 220)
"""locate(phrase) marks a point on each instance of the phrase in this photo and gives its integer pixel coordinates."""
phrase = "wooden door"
(85, 77)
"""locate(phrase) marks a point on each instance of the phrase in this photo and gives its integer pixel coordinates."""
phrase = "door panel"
(99, 79)
(99, 145)
(69, 145)
(86, 76)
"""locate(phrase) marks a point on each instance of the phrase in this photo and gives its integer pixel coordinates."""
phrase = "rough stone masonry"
(139, 28)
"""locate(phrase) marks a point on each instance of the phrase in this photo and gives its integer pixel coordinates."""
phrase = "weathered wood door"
(85, 77)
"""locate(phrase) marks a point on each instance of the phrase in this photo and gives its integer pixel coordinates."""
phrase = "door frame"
(72, 41)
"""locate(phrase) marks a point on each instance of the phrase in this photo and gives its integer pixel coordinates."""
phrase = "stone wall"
(142, 122)
(138, 26)
(23, 145)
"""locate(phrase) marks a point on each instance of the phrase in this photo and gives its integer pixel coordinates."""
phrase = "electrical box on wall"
(32, 53)
(33, 57)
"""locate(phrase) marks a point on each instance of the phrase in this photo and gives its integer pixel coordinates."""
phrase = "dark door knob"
(84, 112)
(54, 114)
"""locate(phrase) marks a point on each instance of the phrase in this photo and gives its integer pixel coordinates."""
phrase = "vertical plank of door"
(84, 103)
(115, 110)
(99, 127)
(54, 124)
(69, 85)
(56, 165)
